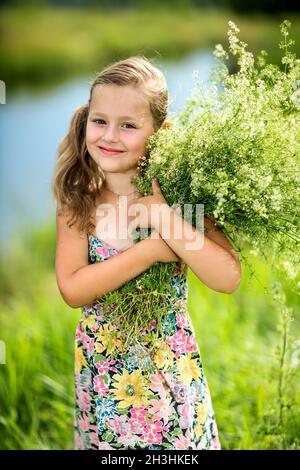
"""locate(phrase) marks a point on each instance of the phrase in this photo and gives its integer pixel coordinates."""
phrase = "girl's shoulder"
(71, 252)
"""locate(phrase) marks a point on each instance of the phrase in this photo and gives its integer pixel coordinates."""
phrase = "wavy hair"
(77, 179)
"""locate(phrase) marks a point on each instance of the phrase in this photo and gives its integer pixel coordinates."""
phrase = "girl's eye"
(101, 121)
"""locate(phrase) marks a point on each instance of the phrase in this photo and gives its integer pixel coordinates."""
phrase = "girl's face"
(118, 126)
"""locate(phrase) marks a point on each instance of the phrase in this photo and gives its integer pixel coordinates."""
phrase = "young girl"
(116, 406)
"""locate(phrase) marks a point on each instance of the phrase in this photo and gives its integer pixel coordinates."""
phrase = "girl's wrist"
(146, 250)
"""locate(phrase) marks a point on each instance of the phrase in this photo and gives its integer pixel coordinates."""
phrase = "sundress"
(117, 406)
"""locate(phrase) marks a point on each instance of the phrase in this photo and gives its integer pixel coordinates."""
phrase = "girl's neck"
(119, 187)
(132, 193)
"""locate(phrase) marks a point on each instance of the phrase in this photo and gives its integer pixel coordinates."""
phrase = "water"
(32, 126)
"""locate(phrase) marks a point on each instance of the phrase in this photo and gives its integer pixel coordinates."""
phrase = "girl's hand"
(160, 250)
(147, 208)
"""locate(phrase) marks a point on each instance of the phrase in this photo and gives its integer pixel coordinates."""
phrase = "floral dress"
(118, 406)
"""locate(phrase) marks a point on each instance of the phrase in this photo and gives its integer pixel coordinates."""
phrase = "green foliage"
(235, 149)
(138, 303)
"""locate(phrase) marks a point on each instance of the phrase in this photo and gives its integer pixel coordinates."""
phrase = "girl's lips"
(110, 152)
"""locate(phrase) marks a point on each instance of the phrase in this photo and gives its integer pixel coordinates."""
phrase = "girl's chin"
(112, 162)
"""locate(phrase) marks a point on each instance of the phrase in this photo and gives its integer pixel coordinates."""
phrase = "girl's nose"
(111, 133)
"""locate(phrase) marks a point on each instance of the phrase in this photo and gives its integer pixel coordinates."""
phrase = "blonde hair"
(77, 179)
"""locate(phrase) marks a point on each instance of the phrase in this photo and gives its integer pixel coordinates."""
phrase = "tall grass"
(249, 363)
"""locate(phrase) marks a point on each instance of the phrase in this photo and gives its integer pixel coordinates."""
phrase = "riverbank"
(50, 44)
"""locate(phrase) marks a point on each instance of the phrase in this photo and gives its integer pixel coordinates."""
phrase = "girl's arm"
(213, 259)
(81, 283)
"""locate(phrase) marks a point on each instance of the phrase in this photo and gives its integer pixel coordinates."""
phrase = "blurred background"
(51, 51)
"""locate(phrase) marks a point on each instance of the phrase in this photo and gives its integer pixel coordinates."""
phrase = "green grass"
(43, 45)
(237, 335)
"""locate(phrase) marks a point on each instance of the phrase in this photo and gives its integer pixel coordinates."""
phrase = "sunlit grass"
(237, 335)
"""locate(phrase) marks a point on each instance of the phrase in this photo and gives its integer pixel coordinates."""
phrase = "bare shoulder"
(71, 249)
(63, 228)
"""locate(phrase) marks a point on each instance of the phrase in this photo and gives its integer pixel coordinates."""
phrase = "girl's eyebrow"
(96, 113)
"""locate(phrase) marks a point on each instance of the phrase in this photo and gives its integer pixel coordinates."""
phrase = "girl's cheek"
(135, 141)
(92, 133)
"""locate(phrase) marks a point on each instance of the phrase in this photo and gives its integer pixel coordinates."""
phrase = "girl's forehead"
(127, 98)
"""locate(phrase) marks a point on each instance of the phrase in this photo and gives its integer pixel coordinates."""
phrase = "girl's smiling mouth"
(108, 151)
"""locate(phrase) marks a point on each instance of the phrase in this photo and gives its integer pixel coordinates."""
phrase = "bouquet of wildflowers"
(235, 148)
